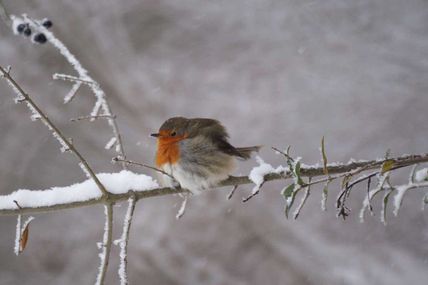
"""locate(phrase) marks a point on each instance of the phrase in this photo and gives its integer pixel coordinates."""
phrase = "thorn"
(17, 204)
(229, 196)
(251, 196)
(20, 100)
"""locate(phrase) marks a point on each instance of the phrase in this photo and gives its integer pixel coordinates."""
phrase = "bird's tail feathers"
(245, 152)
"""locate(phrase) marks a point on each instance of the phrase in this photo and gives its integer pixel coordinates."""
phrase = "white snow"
(17, 234)
(421, 175)
(34, 112)
(371, 194)
(324, 201)
(258, 173)
(85, 170)
(72, 92)
(15, 22)
(182, 209)
(63, 143)
(325, 196)
(398, 198)
(95, 111)
(35, 117)
(110, 143)
(116, 183)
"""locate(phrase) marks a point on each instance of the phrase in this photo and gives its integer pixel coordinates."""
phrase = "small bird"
(196, 153)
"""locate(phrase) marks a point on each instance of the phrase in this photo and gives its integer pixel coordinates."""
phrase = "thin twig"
(66, 77)
(283, 153)
(303, 201)
(118, 159)
(123, 243)
(230, 195)
(92, 118)
(73, 91)
(254, 193)
(57, 133)
(369, 182)
(18, 230)
(412, 174)
(83, 75)
(182, 208)
(106, 244)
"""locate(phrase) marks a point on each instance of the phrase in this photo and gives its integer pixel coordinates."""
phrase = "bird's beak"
(155, 135)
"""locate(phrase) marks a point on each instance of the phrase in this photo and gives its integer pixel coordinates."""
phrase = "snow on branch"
(118, 184)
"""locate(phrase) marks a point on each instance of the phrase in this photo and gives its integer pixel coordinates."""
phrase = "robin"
(196, 153)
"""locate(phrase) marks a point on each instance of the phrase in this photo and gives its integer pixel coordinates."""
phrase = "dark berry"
(21, 27)
(39, 38)
(47, 23)
(27, 31)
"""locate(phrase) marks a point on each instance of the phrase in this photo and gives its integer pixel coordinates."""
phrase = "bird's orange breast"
(168, 150)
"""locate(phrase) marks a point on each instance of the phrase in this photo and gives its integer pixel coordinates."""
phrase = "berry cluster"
(23, 28)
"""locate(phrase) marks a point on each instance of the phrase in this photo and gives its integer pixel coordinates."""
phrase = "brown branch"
(231, 181)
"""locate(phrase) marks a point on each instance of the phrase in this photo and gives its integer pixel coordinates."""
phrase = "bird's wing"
(207, 127)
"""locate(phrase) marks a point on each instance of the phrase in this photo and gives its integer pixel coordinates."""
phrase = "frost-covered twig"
(73, 91)
(303, 201)
(401, 190)
(82, 118)
(366, 203)
(18, 233)
(21, 235)
(66, 145)
(84, 77)
(124, 239)
(106, 244)
(258, 175)
(324, 195)
(183, 205)
(66, 77)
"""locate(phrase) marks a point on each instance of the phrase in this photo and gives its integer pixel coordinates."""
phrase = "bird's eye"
(173, 134)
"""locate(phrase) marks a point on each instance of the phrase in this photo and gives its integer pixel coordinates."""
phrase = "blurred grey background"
(275, 73)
